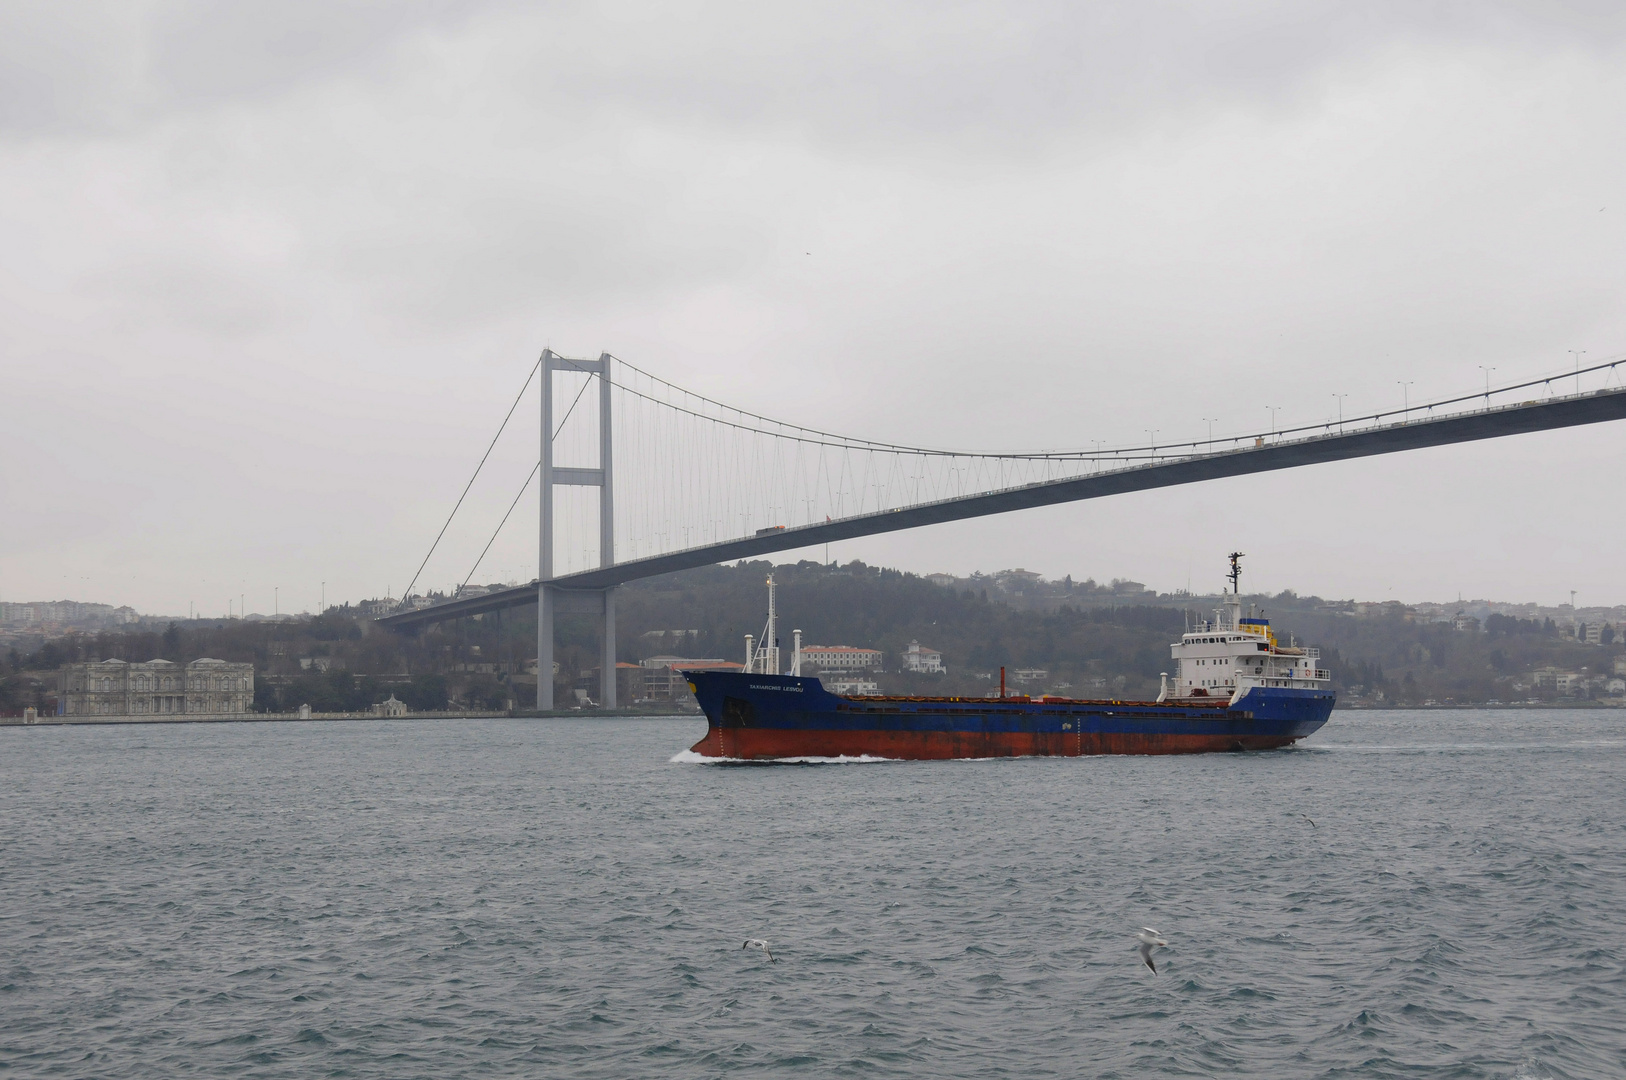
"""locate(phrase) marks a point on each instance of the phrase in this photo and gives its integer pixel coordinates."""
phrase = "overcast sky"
(270, 274)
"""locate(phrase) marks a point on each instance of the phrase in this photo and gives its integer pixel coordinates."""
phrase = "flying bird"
(1306, 817)
(758, 943)
(1148, 938)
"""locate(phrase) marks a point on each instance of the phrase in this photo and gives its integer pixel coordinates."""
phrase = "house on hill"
(918, 657)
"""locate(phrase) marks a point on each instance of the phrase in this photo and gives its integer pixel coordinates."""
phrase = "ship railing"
(1313, 654)
(1283, 676)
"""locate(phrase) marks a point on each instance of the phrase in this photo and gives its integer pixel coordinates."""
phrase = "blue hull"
(780, 716)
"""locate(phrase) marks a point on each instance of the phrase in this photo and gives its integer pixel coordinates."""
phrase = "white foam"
(861, 759)
(689, 757)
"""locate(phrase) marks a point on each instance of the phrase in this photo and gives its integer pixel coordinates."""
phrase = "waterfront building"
(840, 658)
(918, 657)
(630, 682)
(1551, 678)
(205, 687)
(663, 680)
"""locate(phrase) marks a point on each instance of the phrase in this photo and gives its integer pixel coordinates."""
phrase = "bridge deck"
(1572, 411)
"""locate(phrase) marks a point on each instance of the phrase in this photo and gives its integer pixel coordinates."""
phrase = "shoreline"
(626, 714)
(267, 718)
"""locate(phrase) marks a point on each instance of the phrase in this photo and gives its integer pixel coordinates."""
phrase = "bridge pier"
(544, 647)
(551, 599)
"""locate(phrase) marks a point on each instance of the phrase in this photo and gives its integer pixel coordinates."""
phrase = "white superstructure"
(1234, 653)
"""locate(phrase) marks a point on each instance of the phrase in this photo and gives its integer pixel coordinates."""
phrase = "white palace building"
(204, 687)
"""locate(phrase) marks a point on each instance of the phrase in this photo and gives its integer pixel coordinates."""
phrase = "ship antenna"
(1236, 573)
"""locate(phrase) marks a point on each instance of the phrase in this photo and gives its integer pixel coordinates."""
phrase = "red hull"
(755, 743)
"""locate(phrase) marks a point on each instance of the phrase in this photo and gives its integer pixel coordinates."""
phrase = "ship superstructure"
(1234, 653)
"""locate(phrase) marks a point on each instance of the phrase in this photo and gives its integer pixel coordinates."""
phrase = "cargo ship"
(1235, 687)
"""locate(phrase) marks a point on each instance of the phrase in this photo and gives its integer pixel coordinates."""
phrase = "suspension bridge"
(671, 480)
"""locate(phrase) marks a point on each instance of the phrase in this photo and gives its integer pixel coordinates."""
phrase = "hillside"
(1089, 640)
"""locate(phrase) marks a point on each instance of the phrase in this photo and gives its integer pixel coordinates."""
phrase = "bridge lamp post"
(1487, 371)
(1577, 353)
(1153, 433)
(1273, 409)
(1340, 398)
(1210, 423)
(1405, 397)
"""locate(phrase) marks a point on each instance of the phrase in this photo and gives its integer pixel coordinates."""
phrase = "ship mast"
(1235, 602)
(762, 658)
(771, 639)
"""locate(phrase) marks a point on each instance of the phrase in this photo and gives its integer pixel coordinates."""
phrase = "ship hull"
(767, 717)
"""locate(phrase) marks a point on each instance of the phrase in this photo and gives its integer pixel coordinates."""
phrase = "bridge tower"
(552, 599)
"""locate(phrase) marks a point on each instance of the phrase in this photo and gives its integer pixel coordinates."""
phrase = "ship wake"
(689, 757)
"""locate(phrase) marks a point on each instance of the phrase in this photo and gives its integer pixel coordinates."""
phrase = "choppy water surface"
(560, 898)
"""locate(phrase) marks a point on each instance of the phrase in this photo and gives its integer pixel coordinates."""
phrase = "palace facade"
(116, 688)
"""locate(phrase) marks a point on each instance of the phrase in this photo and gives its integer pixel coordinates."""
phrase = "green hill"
(1090, 641)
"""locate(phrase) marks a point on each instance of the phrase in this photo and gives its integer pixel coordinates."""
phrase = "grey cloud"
(1004, 73)
(95, 68)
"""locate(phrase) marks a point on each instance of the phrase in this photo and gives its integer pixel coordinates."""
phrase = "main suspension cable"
(476, 475)
(825, 438)
(523, 487)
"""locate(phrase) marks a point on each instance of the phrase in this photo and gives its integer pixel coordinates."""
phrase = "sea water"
(1433, 894)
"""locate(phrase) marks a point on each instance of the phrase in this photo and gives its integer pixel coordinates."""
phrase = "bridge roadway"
(1572, 411)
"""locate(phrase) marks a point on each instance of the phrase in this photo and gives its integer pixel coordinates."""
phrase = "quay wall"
(252, 718)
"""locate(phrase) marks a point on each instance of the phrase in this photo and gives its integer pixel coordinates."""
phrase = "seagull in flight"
(1148, 938)
(758, 943)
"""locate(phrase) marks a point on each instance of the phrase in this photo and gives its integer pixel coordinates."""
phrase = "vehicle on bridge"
(1235, 688)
